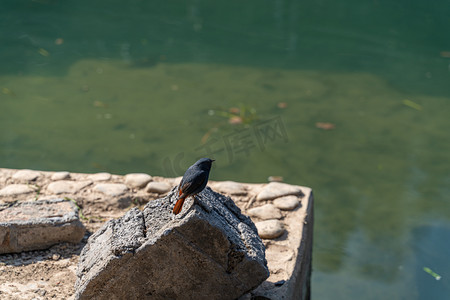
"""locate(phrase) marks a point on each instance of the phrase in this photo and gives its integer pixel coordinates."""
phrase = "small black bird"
(193, 182)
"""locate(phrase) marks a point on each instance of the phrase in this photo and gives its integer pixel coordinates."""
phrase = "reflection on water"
(321, 94)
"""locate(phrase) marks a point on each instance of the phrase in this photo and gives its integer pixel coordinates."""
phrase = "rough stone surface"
(277, 189)
(16, 189)
(26, 175)
(208, 251)
(286, 202)
(265, 212)
(157, 187)
(60, 175)
(38, 225)
(111, 189)
(137, 180)
(67, 186)
(270, 229)
(100, 176)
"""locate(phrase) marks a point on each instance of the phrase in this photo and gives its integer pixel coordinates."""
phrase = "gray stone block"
(36, 225)
(208, 251)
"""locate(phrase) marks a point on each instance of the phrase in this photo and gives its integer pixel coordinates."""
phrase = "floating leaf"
(325, 125)
(432, 273)
(207, 135)
(100, 104)
(7, 91)
(235, 120)
(282, 104)
(412, 104)
(242, 114)
(234, 110)
(43, 52)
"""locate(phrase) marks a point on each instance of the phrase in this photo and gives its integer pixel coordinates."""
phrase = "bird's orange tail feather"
(178, 206)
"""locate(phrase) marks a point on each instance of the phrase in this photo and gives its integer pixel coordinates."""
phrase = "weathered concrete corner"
(208, 251)
(36, 225)
(290, 257)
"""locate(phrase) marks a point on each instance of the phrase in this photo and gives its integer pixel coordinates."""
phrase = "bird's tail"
(178, 206)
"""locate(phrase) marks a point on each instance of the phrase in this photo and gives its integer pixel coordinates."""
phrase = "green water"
(146, 86)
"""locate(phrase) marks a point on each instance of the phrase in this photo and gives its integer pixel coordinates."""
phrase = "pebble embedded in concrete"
(16, 189)
(100, 176)
(67, 186)
(26, 175)
(60, 176)
(277, 189)
(137, 180)
(111, 189)
(157, 187)
(265, 212)
(286, 202)
(231, 187)
(270, 229)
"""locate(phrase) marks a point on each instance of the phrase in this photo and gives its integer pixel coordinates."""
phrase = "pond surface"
(351, 99)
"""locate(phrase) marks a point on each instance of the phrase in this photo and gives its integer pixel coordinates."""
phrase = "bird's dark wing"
(192, 185)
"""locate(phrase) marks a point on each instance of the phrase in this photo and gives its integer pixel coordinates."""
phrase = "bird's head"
(204, 163)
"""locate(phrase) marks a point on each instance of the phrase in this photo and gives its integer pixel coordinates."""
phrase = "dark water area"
(351, 99)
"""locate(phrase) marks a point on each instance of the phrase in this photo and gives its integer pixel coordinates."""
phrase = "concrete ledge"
(283, 214)
(289, 257)
(36, 225)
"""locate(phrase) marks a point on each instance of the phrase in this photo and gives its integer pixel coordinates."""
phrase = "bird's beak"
(213, 160)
